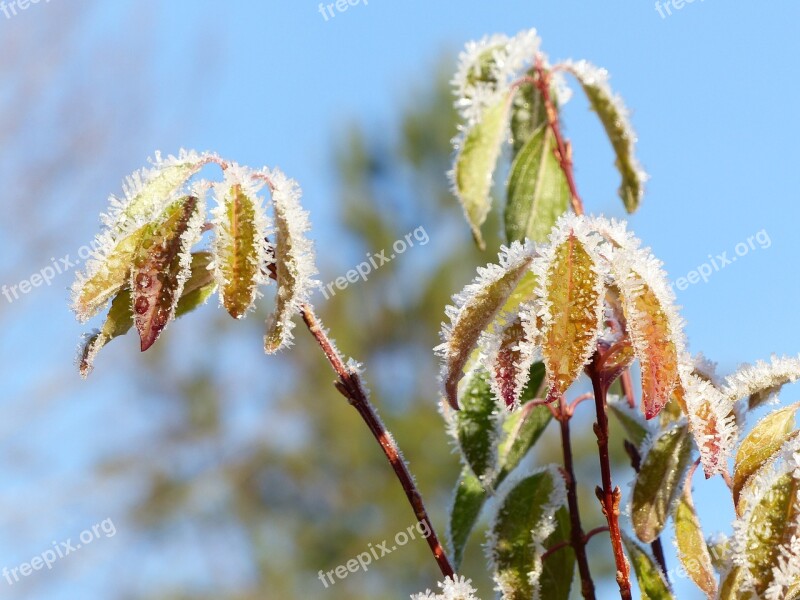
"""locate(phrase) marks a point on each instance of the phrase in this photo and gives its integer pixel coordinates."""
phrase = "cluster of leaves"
(585, 293)
(146, 265)
(499, 87)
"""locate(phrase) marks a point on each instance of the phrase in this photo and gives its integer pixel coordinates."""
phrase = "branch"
(609, 496)
(350, 386)
(577, 537)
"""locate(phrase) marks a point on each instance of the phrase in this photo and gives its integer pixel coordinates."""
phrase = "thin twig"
(577, 537)
(609, 496)
(350, 386)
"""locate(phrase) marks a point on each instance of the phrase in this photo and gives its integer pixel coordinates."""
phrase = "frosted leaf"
(294, 260)
(509, 353)
(147, 193)
(162, 264)
(653, 322)
(711, 421)
(614, 116)
(487, 68)
(199, 287)
(691, 545)
(241, 227)
(475, 308)
(760, 383)
(457, 587)
(524, 518)
(765, 544)
(571, 291)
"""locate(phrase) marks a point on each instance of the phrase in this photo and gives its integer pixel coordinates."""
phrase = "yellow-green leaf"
(691, 544)
(573, 293)
(476, 162)
(761, 446)
(651, 580)
(658, 482)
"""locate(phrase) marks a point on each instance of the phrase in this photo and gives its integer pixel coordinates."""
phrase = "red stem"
(350, 386)
(609, 496)
(577, 537)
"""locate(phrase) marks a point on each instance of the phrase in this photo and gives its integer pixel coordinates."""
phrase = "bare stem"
(350, 386)
(577, 537)
(609, 496)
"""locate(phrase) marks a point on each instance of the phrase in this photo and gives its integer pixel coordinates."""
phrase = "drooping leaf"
(510, 352)
(711, 421)
(524, 521)
(658, 482)
(475, 309)
(294, 260)
(761, 446)
(528, 113)
(691, 544)
(614, 116)
(476, 425)
(558, 569)
(653, 336)
(161, 266)
(119, 321)
(475, 164)
(572, 293)
(468, 501)
(537, 192)
(240, 243)
(766, 542)
(648, 574)
(761, 382)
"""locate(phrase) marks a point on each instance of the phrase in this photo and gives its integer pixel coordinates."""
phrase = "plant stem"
(350, 386)
(577, 537)
(609, 497)
(563, 152)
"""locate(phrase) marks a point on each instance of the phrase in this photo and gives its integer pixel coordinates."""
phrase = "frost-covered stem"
(562, 147)
(656, 546)
(350, 386)
(609, 496)
(577, 537)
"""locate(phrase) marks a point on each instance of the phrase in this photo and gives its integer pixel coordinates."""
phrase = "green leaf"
(730, 588)
(119, 321)
(558, 569)
(651, 580)
(467, 504)
(477, 306)
(523, 522)
(765, 530)
(658, 482)
(636, 429)
(239, 251)
(537, 192)
(161, 266)
(476, 162)
(523, 428)
(613, 116)
(476, 424)
(528, 113)
(691, 544)
(761, 445)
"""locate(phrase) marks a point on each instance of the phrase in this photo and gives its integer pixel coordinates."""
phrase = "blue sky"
(712, 88)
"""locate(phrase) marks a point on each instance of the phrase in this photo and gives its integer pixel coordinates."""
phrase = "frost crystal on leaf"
(475, 308)
(294, 260)
(711, 420)
(760, 383)
(457, 587)
(241, 258)
(487, 68)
